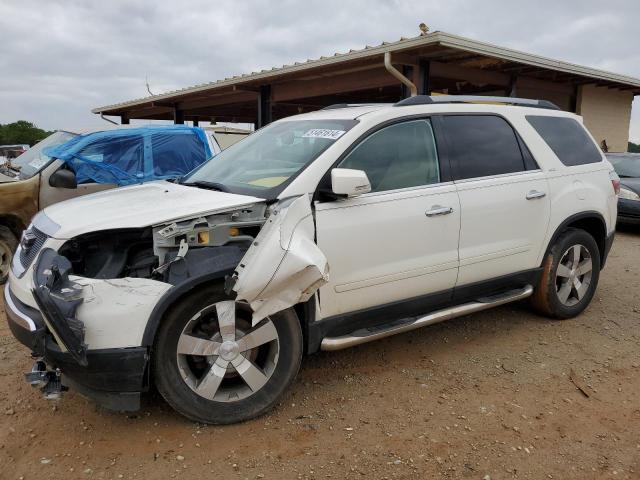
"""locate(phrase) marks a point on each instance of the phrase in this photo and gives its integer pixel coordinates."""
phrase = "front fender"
(283, 266)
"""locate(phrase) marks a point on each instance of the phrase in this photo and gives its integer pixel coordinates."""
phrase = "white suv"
(318, 232)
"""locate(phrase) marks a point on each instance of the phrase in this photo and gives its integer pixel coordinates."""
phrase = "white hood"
(139, 206)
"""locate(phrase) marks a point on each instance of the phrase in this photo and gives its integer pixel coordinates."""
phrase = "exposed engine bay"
(165, 253)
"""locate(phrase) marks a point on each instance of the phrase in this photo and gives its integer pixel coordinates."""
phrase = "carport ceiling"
(434, 62)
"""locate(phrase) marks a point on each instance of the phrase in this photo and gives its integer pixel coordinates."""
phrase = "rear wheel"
(213, 366)
(8, 244)
(570, 275)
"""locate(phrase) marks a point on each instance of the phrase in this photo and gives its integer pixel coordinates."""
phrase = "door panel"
(383, 248)
(502, 231)
(503, 197)
(50, 195)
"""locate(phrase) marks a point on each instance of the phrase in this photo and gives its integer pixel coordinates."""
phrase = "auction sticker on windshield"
(38, 162)
(323, 133)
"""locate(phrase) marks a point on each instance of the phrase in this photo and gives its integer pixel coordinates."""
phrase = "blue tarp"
(134, 155)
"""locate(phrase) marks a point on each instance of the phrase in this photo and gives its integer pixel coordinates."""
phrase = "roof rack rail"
(435, 99)
(349, 105)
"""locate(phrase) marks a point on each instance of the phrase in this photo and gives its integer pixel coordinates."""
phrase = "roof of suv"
(465, 104)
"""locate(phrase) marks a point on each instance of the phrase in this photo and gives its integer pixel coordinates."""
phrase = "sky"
(60, 59)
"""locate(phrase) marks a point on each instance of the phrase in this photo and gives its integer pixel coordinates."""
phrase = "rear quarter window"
(567, 138)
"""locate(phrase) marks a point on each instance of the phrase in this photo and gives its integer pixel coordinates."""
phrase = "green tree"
(634, 147)
(21, 132)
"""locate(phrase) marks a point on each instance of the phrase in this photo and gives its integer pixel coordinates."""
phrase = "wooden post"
(407, 71)
(124, 119)
(178, 116)
(424, 69)
(513, 86)
(264, 106)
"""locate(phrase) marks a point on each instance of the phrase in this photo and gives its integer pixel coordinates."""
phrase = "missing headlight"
(112, 254)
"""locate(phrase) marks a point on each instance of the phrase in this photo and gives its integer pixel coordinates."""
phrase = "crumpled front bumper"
(114, 378)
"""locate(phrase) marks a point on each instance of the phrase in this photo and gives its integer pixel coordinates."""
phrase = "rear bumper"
(114, 378)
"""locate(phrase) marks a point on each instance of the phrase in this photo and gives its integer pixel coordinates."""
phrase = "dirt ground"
(492, 395)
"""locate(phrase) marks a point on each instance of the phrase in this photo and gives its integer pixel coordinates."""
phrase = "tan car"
(28, 184)
(34, 181)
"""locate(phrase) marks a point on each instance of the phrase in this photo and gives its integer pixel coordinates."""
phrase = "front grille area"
(28, 254)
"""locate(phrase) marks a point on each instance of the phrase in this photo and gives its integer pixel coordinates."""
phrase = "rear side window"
(482, 145)
(176, 154)
(567, 138)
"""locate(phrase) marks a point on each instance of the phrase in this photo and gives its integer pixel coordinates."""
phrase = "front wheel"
(571, 270)
(212, 366)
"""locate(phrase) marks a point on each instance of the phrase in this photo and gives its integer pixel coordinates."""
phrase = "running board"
(370, 334)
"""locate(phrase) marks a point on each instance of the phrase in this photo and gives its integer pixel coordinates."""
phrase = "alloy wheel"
(573, 275)
(222, 357)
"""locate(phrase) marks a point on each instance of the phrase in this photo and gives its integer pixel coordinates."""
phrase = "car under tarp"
(134, 155)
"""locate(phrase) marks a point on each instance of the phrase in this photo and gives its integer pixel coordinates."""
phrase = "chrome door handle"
(438, 210)
(533, 194)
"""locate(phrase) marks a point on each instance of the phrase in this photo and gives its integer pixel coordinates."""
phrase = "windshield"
(33, 160)
(626, 165)
(263, 163)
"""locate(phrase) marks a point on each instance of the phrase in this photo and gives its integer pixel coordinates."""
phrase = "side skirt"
(366, 335)
(399, 314)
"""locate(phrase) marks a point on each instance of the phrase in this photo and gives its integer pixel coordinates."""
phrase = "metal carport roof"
(434, 60)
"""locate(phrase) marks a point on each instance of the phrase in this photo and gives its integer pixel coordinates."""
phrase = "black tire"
(546, 297)
(173, 387)
(8, 245)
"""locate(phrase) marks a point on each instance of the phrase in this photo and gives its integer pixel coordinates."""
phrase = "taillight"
(615, 182)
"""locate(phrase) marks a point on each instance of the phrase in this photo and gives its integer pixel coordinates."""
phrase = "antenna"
(146, 82)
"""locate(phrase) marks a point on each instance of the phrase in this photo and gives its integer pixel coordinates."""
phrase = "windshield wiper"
(208, 185)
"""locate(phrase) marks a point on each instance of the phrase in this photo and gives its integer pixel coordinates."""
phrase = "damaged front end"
(102, 295)
(283, 266)
(58, 299)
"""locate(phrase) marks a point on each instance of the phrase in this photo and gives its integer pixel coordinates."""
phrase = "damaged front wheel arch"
(173, 297)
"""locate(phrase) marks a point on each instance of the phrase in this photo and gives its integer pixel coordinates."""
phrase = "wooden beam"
(316, 87)
(163, 103)
(404, 59)
(521, 69)
(246, 88)
(238, 109)
(146, 112)
(217, 99)
(536, 83)
(476, 76)
(438, 53)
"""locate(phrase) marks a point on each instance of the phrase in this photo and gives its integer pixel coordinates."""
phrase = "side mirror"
(346, 182)
(63, 178)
